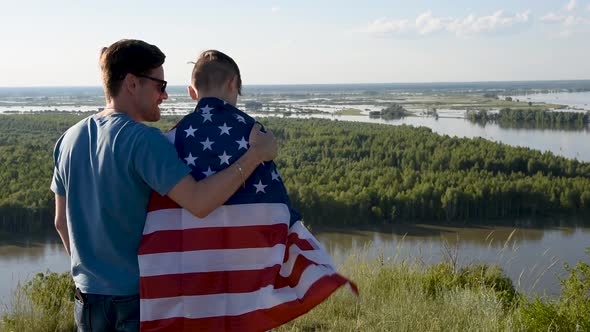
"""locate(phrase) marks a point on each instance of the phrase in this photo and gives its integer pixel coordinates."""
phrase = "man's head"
(132, 71)
(215, 74)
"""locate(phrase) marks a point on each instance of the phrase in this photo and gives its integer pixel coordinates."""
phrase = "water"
(24, 255)
(575, 100)
(532, 257)
(567, 143)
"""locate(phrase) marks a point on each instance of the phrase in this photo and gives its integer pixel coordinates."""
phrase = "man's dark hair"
(213, 69)
(127, 56)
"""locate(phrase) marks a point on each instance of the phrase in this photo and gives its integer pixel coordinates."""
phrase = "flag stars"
(190, 160)
(190, 131)
(208, 172)
(275, 175)
(240, 118)
(260, 187)
(224, 158)
(243, 144)
(206, 109)
(224, 129)
(207, 144)
(207, 117)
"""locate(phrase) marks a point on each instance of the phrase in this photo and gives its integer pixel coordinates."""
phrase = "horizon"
(327, 84)
(275, 42)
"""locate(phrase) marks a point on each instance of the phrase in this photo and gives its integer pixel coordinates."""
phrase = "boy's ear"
(232, 83)
(193, 93)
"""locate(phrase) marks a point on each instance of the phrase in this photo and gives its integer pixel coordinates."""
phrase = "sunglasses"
(163, 83)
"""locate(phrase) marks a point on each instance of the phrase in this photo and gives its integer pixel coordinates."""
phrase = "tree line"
(342, 173)
(507, 117)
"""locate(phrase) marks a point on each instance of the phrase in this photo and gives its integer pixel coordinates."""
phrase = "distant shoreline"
(531, 84)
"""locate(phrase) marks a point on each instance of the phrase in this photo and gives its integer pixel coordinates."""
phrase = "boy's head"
(215, 74)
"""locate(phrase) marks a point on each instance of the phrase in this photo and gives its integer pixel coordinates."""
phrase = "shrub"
(570, 312)
(45, 303)
(442, 276)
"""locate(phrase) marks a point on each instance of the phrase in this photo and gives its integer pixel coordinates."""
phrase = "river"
(532, 256)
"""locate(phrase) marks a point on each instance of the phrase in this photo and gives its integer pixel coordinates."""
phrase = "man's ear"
(130, 83)
(193, 93)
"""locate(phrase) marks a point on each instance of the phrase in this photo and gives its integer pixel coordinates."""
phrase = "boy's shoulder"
(212, 111)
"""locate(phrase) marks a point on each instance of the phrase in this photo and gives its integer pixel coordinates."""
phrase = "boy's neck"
(219, 94)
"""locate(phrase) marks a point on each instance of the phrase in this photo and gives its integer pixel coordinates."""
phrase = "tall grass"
(395, 295)
(406, 296)
(44, 304)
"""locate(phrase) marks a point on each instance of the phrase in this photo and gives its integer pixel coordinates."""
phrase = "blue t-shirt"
(106, 167)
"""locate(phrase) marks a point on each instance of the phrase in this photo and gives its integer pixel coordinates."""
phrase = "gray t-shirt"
(106, 167)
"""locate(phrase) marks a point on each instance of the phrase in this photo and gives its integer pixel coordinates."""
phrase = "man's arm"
(61, 224)
(202, 197)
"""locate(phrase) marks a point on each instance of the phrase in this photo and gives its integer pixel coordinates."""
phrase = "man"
(105, 169)
(250, 265)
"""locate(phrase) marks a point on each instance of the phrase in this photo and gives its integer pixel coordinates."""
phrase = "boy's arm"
(202, 197)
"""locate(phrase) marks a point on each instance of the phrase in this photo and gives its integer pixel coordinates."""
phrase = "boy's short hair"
(214, 68)
(127, 56)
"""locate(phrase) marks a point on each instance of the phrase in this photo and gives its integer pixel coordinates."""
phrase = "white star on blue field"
(211, 146)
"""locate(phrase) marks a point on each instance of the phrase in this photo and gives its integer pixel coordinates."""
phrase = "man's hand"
(204, 196)
(264, 145)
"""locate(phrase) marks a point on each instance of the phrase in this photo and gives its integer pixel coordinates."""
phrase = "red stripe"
(259, 320)
(301, 243)
(159, 202)
(206, 283)
(213, 238)
(293, 238)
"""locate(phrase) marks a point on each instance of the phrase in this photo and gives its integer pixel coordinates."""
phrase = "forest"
(341, 173)
(546, 119)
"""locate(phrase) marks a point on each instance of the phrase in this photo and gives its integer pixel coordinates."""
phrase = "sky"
(57, 43)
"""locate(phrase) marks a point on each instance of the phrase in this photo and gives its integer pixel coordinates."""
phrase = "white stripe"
(170, 136)
(316, 256)
(229, 304)
(224, 216)
(210, 260)
(301, 231)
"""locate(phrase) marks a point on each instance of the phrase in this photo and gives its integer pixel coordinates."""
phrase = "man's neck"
(115, 106)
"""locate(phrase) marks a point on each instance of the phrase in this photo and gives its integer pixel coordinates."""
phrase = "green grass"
(349, 111)
(400, 297)
(44, 304)
(394, 296)
(469, 102)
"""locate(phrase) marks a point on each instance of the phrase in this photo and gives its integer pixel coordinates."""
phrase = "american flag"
(251, 265)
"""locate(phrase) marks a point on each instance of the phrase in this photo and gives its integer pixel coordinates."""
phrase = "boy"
(250, 265)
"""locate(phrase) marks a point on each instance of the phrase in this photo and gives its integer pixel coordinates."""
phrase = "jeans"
(94, 312)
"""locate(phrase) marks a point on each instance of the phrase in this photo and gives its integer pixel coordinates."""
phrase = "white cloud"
(565, 20)
(553, 18)
(571, 5)
(381, 26)
(567, 25)
(498, 21)
(275, 9)
(426, 24)
(588, 7)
